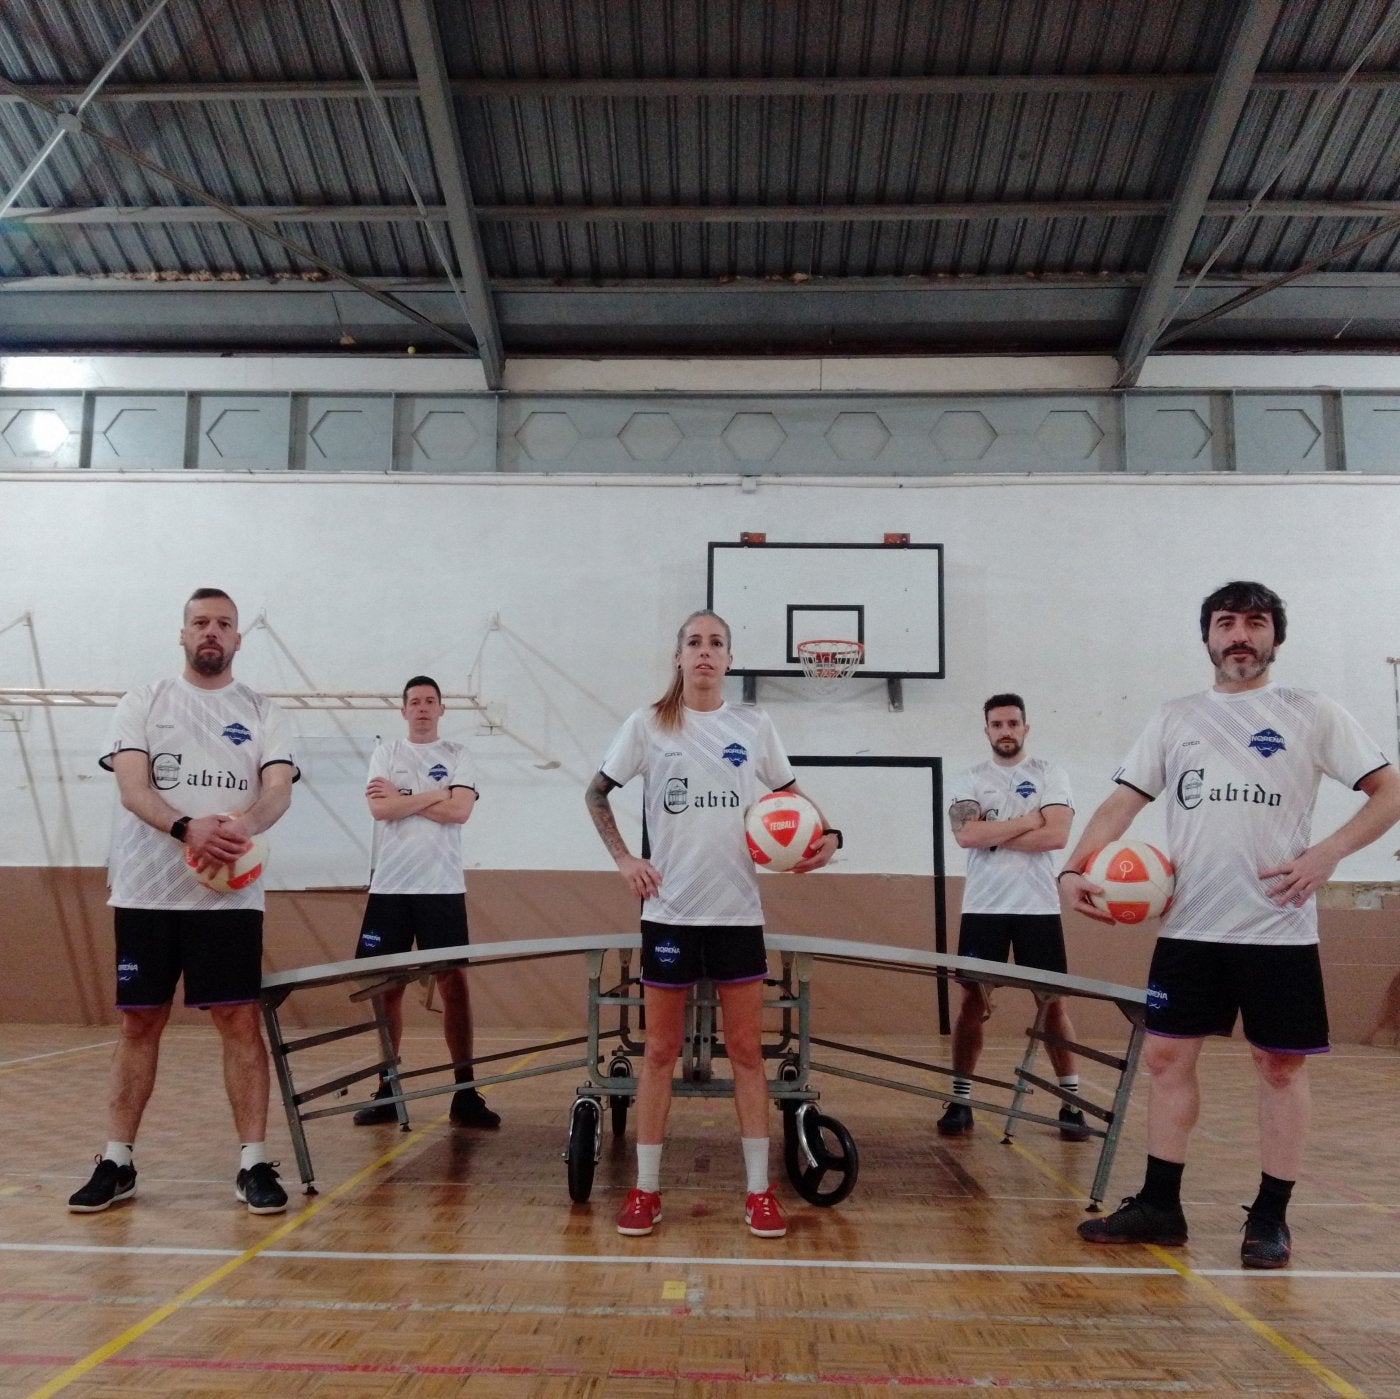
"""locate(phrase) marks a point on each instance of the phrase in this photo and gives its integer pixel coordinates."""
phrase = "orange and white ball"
(1137, 880)
(783, 829)
(224, 879)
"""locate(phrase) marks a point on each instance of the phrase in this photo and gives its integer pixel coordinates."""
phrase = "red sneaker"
(642, 1212)
(764, 1215)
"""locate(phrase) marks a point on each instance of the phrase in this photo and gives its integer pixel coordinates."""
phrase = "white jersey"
(1011, 881)
(1241, 773)
(416, 855)
(207, 751)
(698, 783)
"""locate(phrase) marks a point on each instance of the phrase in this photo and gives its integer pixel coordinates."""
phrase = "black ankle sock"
(1162, 1187)
(1272, 1199)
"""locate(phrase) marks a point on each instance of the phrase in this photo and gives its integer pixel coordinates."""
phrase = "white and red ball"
(1138, 881)
(245, 870)
(783, 829)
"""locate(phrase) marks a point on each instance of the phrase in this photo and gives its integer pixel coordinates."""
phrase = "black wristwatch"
(179, 828)
(832, 831)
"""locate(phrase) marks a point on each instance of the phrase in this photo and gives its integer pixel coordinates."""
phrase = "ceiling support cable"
(68, 121)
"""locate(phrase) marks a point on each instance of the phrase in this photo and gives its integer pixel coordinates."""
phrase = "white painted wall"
(948, 374)
(1080, 593)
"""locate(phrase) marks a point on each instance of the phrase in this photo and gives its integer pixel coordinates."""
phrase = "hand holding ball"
(1137, 881)
(783, 829)
(223, 879)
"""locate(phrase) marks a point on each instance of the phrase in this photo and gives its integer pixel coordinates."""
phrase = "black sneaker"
(956, 1122)
(374, 1112)
(1073, 1127)
(110, 1183)
(1267, 1242)
(1136, 1222)
(469, 1110)
(258, 1189)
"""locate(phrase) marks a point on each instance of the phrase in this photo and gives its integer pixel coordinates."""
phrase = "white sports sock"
(756, 1163)
(120, 1152)
(649, 1167)
(962, 1089)
(253, 1154)
(1069, 1082)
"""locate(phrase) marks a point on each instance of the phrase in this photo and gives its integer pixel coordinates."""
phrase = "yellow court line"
(1222, 1299)
(1310, 1363)
(58, 1056)
(133, 1333)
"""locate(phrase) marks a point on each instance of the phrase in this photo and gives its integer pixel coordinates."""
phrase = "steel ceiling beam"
(1185, 328)
(1244, 47)
(445, 147)
(988, 85)
(66, 121)
(179, 214)
(986, 316)
(151, 283)
(195, 192)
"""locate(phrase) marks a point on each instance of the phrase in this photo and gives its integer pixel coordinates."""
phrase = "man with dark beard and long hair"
(1239, 765)
(202, 763)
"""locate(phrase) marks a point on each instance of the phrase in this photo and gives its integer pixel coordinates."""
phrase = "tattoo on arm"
(960, 813)
(599, 808)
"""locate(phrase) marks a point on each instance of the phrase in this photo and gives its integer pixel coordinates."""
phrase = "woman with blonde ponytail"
(703, 763)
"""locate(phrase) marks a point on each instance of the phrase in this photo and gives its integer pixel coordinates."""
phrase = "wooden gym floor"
(446, 1260)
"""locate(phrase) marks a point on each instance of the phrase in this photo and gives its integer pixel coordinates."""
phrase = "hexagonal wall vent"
(650, 436)
(1290, 432)
(339, 435)
(753, 436)
(35, 432)
(445, 435)
(858, 436)
(1177, 434)
(128, 434)
(963, 434)
(547, 436)
(1069, 434)
(235, 434)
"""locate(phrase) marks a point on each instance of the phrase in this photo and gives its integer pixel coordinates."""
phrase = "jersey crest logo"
(237, 734)
(737, 754)
(1026, 788)
(668, 953)
(1190, 788)
(1267, 742)
(677, 798)
(165, 771)
(437, 772)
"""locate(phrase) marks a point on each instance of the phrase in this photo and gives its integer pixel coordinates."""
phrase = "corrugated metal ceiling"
(692, 144)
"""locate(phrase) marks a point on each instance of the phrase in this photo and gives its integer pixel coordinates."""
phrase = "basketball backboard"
(889, 597)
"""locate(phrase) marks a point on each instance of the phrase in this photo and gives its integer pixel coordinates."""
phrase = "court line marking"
(340, 1305)
(133, 1333)
(613, 1260)
(9, 1066)
(1198, 1278)
(1262, 1329)
(576, 1371)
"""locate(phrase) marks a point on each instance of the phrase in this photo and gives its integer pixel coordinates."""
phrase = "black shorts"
(398, 922)
(680, 955)
(1037, 939)
(1198, 988)
(219, 953)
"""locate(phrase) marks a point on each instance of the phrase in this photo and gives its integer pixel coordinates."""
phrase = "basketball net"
(829, 664)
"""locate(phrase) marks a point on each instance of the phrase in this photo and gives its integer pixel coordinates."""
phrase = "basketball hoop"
(829, 662)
